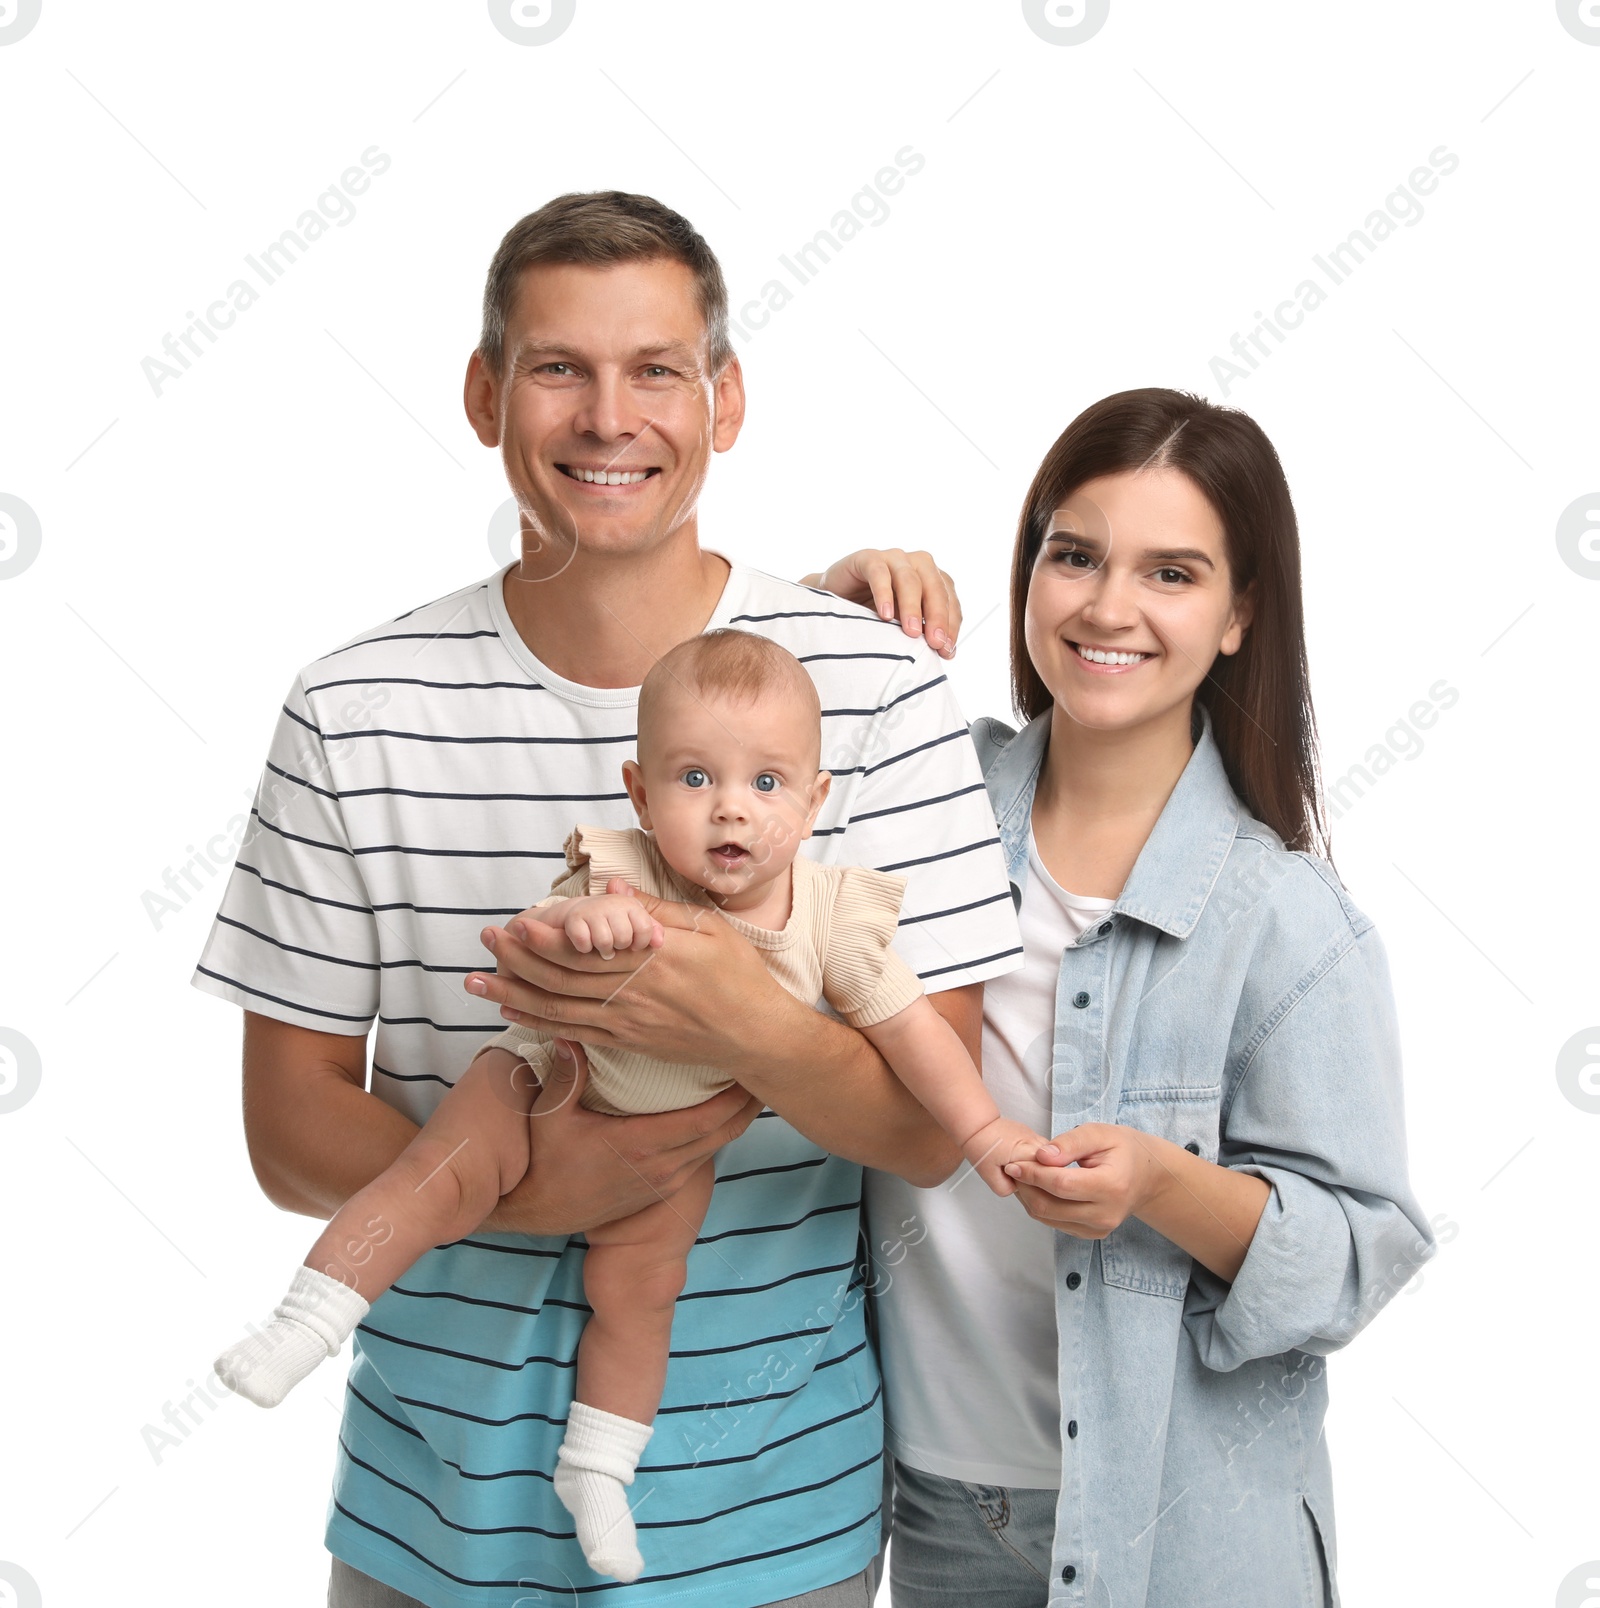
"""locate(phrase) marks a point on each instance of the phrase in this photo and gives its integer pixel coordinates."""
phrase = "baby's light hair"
(728, 664)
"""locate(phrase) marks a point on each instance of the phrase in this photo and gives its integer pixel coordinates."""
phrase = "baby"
(726, 786)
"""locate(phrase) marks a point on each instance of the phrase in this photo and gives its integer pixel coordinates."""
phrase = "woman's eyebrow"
(1178, 555)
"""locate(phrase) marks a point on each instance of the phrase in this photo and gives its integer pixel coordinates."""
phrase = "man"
(420, 785)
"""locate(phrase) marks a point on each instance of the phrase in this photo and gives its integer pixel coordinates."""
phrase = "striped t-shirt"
(421, 783)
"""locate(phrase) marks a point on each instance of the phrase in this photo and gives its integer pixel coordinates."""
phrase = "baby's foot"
(311, 1322)
(596, 1461)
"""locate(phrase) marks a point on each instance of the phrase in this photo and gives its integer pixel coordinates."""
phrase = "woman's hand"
(1120, 1170)
(1205, 1209)
(908, 587)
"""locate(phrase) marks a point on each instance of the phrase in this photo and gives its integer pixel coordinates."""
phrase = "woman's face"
(1131, 599)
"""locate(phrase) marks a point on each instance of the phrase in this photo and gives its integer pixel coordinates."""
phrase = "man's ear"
(1244, 613)
(819, 796)
(633, 780)
(727, 402)
(480, 395)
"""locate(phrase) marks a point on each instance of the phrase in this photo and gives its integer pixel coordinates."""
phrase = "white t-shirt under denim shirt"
(966, 1310)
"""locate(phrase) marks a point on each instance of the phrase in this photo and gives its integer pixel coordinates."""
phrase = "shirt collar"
(1182, 858)
(1180, 862)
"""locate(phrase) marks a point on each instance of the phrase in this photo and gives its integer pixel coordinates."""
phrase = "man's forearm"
(824, 1079)
(330, 1143)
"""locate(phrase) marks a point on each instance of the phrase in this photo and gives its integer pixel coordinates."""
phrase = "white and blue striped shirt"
(421, 782)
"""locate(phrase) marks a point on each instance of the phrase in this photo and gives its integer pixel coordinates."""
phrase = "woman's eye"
(1175, 577)
(766, 782)
(1073, 557)
(695, 778)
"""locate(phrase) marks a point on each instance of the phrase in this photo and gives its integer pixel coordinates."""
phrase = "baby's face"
(730, 788)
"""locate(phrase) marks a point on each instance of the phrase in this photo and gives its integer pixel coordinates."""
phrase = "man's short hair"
(597, 229)
(729, 664)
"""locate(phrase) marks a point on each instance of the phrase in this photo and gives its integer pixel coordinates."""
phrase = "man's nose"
(606, 409)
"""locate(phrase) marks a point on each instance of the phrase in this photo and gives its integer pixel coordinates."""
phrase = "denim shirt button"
(1074, 1280)
(1069, 1574)
(1105, 927)
(1192, 1148)
(1080, 999)
(1072, 1429)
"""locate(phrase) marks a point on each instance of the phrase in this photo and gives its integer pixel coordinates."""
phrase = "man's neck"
(605, 619)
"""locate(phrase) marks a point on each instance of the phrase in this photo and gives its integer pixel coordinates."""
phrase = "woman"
(1111, 1390)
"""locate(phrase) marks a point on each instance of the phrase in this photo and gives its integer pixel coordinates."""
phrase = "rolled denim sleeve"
(1317, 1112)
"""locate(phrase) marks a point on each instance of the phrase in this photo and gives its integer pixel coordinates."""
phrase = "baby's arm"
(923, 1051)
(470, 1152)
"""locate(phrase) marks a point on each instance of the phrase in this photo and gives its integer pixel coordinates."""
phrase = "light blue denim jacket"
(1236, 1002)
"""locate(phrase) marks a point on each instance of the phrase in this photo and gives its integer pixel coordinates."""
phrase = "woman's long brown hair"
(1259, 698)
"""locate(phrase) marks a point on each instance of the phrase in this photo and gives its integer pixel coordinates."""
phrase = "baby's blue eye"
(766, 782)
(695, 777)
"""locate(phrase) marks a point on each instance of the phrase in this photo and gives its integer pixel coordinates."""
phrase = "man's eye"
(655, 371)
(766, 782)
(551, 368)
(695, 778)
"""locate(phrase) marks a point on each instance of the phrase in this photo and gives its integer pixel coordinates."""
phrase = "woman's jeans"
(956, 1545)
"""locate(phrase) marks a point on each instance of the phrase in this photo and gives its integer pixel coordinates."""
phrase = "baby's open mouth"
(730, 854)
(603, 476)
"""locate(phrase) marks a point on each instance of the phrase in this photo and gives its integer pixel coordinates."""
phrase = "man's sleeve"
(296, 937)
(921, 810)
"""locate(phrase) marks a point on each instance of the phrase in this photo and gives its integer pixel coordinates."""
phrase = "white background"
(1089, 217)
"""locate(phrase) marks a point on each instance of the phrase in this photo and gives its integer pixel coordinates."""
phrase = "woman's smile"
(1101, 661)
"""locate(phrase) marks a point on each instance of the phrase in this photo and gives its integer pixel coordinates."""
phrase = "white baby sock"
(311, 1322)
(597, 1458)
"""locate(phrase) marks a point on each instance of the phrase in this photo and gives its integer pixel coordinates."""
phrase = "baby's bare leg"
(633, 1274)
(470, 1152)
(442, 1185)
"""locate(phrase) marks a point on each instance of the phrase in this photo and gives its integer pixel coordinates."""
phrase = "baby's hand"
(605, 923)
(997, 1143)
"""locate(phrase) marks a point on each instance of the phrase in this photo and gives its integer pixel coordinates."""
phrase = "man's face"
(606, 414)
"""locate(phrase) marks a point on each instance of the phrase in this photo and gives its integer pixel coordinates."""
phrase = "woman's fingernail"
(1012, 1170)
(476, 985)
(563, 1051)
(517, 931)
(486, 937)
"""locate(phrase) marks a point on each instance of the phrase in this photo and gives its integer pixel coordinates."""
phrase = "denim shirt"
(1237, 1003)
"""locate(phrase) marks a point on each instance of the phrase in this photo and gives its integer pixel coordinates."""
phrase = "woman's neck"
(1100, 794)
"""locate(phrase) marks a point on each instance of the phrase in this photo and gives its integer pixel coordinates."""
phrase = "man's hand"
(702, 998)
(585, 1168)
(903, 586)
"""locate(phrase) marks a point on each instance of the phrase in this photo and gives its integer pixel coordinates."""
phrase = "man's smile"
(605, 475)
